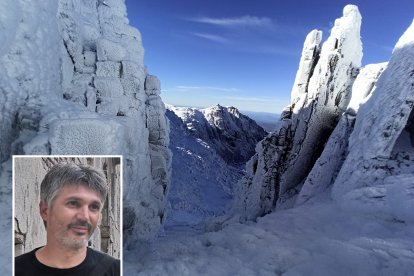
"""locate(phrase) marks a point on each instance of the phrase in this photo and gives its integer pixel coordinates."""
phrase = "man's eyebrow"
(80, 199)
(73, 198)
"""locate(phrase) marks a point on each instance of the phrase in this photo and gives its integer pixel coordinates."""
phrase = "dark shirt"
(95, 264)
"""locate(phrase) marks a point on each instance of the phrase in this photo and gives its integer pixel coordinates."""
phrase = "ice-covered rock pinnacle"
(320, 95)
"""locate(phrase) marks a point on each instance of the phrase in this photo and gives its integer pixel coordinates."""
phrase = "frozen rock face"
(74, 82)
(326, 168)
(387, 149)
(232, 134)
(321, 93)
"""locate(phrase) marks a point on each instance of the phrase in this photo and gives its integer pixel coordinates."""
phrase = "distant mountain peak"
(231, 133)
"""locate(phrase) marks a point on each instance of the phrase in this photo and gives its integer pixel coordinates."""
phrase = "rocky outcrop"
(74, 82)
(386, 150)
(326, 168)
(320, 95)
(370, 151)
(232, 134)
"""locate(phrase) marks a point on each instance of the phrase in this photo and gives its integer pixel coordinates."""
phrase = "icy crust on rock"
(24, 76)
(382, 141)
(326, 168)
(232, 134)
(74, 82)
(309, 58)
(364, 85)
(321, 93)
(328, 95)
(24, 73)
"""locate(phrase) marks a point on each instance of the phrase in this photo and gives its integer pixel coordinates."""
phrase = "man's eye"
(73, 203)
(95, 207)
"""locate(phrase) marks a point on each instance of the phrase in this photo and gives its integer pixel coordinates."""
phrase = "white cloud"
(184, 88)
(243, 21)
(212, 37)
(252, 99)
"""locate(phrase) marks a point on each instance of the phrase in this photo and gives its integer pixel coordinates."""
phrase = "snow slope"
(318, 239)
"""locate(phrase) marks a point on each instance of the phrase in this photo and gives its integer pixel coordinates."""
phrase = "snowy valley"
(329, 191)
(203, 179)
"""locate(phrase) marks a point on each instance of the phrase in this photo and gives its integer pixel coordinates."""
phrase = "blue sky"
(246, 53)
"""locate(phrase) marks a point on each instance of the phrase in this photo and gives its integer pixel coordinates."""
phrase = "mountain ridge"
(232, 134)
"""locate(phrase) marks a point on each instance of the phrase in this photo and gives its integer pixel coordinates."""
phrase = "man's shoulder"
(25, 264)
(105, 263)
(23, 258)
(99, 254)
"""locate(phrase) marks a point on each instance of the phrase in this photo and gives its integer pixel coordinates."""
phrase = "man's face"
(73, 215)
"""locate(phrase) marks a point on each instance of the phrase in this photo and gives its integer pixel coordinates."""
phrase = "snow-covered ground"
(318, 239)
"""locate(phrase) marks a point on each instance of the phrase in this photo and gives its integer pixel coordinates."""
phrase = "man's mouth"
(81, 230)
(80, 227)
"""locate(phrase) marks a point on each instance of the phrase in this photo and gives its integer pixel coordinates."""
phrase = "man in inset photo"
(72, 197)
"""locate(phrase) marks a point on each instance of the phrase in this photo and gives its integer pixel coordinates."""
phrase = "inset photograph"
(67, 215)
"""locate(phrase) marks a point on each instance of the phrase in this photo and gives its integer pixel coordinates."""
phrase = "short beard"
(73, 243)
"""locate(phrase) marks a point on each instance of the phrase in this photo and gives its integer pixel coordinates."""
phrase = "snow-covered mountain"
(207, 145)
(232, 134)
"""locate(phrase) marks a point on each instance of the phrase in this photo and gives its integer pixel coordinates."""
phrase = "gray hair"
(64, 174)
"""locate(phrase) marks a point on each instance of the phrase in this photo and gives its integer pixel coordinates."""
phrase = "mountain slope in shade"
(202, 182)
(205, 144)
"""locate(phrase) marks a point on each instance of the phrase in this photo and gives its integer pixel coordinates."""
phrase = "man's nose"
(83, 213)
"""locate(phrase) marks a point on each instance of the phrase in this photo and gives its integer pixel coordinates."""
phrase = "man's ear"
(44, 210)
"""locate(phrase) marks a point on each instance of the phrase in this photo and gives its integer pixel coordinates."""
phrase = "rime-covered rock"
(232, 134)
(327, 166)
(321, 93)
(74, 82)
(388, 148)
(328, 95)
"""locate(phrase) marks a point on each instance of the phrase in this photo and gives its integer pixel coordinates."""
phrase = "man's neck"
(60, 256)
